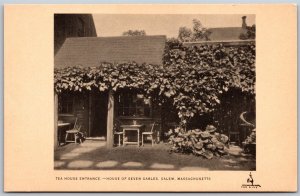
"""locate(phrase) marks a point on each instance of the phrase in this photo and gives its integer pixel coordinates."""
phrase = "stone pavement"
(93, 155)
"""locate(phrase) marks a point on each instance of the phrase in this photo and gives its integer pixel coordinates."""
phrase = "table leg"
(138, 131)
(124, 130)
(58, 137)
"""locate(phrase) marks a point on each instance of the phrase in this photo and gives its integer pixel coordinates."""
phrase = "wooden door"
(98, 114)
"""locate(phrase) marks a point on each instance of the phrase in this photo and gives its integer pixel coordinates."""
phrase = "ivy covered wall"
(192, 80)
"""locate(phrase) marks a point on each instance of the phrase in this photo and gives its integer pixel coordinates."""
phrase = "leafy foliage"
(251, 139)
(250, 143)
(205, 72)
(226, 115)
(191, 78)
(185, 34)
(250, 33)
(199, 32)
(198, 142)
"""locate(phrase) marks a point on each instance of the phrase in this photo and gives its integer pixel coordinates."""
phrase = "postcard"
(150, 98)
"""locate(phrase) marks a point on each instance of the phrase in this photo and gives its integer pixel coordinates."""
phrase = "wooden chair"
(149, 133)
(118, 132)
(73, 131)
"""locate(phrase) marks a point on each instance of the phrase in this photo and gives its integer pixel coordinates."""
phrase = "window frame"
(118, 107)
(66, 100)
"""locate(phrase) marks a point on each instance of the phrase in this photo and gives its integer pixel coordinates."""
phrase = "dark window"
(80, 31)
(66, 104)
(133, 104)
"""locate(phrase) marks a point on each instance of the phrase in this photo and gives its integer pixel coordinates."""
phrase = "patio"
(94, 155)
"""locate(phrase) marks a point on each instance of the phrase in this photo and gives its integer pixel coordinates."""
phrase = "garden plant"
(192, 79)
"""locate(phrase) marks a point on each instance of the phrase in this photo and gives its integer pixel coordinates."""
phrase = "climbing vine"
(192, 78)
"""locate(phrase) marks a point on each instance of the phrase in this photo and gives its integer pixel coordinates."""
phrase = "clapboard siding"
(80, 111)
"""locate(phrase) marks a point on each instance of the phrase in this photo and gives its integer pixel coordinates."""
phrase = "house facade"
(72, 25)
(97, 111)
(227, 34)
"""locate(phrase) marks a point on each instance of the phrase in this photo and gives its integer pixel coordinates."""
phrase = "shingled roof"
(90, 51)
(226, 33)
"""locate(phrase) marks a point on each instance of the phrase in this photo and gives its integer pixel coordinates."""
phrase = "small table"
(136, 128)
(61, 125)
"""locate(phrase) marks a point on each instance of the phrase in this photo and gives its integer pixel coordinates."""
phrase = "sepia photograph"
(155, 92)
(150, 98)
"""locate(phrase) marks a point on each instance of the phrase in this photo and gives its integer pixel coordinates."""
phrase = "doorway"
(98, 114)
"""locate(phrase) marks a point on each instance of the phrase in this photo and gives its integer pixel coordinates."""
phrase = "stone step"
(96, 138)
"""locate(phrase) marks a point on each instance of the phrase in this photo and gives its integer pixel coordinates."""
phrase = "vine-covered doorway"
(98, 114)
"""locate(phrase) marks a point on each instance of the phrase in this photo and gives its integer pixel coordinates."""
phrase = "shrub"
(198, 142)
(250, 143)
(251, 139)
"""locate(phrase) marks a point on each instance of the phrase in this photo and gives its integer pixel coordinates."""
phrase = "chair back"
(75, 123)
(117, 124)
(77, 127)
(152, 127)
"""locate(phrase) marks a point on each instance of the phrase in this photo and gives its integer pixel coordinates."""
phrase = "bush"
(251, 139)
(198, 142)
(250, 143)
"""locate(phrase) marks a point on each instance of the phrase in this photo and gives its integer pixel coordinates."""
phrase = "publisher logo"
(250, 183)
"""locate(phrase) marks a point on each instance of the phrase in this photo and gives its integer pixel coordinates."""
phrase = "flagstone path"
(93, 155)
